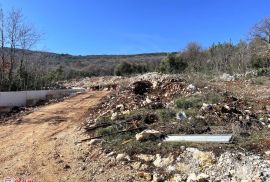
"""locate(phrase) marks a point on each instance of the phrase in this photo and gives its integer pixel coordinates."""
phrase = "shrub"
(127, 68)
(166, 114)
(173, 64)
(107, 131)
(189, 102)
(260, 62)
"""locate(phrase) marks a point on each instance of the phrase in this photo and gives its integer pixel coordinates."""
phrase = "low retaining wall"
(26, 98)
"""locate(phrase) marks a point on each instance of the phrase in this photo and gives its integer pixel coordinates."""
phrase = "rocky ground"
(130, 123)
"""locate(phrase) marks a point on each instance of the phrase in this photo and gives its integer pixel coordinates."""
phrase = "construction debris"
(139, 94)
(142, 110)
(199, 138)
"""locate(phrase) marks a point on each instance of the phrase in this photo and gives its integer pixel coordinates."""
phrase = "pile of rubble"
(155, 92)
(234, 114)
(116, 82)
(194, 165)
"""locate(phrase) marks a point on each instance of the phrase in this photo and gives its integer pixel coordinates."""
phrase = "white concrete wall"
(11, 99)
(8, 99)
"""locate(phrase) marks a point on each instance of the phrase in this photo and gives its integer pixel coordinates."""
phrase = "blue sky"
(84, 27)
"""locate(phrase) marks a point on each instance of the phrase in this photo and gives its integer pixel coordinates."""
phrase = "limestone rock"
(203, 177)
(163, 162)
(147, 134)
(146, 158)
(192, 177)
(136, 165)
(114, 116)
(95, 141)
(122, 157)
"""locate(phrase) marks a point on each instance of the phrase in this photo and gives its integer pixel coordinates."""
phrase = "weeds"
(166, 114)
(196, 101)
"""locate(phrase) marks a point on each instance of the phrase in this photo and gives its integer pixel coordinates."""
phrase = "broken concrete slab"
(222, 138)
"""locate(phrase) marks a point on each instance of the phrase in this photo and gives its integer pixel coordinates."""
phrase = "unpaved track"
(43, 146)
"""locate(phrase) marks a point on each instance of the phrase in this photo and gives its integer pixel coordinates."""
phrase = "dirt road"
(43, 146)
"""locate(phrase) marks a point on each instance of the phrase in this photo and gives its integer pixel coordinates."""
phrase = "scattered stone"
(144, 167)
(178, 178)
(145, 175)
(101, 170)
(192, 178)
(267, 152)
(163, 162)
(146, 158)
(225, 109)
(205, 159)
(148, 101)
(203, 177)
(122, 157)
(95, 141)
(120, 107)
(227, 77)
(183, 167)
(170, 168)
(136, 165)
(206, 107)
(114, 116)
(110, 154)
(182, 147)
(191, 88)
(148, 134)
(157, 178)
(126, 112)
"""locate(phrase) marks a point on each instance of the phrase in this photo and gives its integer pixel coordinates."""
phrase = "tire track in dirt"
(43, 146)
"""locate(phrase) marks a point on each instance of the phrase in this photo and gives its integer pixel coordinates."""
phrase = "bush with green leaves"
(174, 63)
(127, 68)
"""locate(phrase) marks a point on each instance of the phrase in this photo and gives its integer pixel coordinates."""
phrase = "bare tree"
(27, 38)
(261, 32)
(19, 37)
(194, 55)
(241, 57)
(2, 53)
(14, 24)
